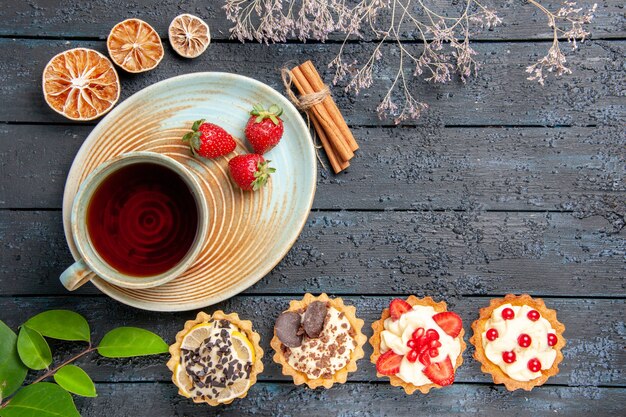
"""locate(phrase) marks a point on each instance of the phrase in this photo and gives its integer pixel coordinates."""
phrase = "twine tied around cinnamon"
(305, 101)
(317, 103)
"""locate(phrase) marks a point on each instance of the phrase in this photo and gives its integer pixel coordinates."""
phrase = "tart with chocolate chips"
(318, 341)
(216, 358)
(518, 341)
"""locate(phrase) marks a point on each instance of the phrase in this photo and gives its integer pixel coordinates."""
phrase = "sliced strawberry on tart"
(418, 344)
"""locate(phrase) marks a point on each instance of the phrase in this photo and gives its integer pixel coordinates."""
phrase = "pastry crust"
(341, 375)
(499, 377)
(245, 326)
(379, 325)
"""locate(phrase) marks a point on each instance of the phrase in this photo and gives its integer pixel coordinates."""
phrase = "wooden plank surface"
(594, 355)
(433, 168)
(434, 253)
(352, 400)
(75, 18)
(501, 95)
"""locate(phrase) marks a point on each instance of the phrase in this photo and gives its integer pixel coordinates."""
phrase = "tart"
(216, 358)
(518, 341)
(418, 344)
(318, 341)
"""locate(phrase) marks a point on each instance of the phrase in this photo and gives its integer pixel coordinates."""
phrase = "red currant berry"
(412, 344)
(432, 334)
(419, 332)
(534, 365)
(551, 339)
(533, 315)
(434, 344)
(412, 356)
(508, 314)
(424, 359)
(524, 340)
(492, 334)
(433, 352)
(508, 357)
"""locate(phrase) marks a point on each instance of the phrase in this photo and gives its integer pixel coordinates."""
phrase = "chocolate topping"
(287, 327)
(314, 316)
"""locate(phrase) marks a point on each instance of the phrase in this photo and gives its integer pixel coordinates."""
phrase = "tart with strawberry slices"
(318, 341)
(216, 358)
(518, 341)
(418, 344)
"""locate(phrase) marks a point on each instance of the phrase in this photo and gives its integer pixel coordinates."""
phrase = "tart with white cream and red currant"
(216, 358)
(318, 341)
(418, 344)
(518, 341)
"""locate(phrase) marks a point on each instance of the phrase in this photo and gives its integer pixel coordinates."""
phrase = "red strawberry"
(441, 373)
(449, 322)
(264, 128)
(208, 140)
(388, 363)
(398, 307)
(250, 171)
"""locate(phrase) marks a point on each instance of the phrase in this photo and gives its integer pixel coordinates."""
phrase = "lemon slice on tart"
(182, 381)
(242, 346)
(196, 336)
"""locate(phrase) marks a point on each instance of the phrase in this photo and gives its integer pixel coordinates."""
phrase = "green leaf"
(125, 342)
(43, 399)
(12, 370)
(61, 324)
(197, 124)
(75, 380)
(33, 349)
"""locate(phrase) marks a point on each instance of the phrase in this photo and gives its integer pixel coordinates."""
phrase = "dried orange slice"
(80, 84)
(189, 35)
(135, 46)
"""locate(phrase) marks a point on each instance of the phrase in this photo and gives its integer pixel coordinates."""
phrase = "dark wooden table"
(503, 186)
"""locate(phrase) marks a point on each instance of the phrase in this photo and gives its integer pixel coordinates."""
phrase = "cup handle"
(76, 275)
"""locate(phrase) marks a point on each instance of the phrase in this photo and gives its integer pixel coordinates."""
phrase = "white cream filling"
(398, 333)
(306, 357)
(508, 332)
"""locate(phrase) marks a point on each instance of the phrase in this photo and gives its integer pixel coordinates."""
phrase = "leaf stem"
(51, 372)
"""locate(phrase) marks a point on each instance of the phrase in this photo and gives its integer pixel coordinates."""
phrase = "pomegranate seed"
(534, 365)
(552, 339)
(432, 334)
(424, 359)
(508, 357)
(524, 340)
(412, 344)
(433, 352)
(434, 344)
(492, 334)
(422, 342)
(417, 333)
(412, 356)
(508, 314)
(533, 315)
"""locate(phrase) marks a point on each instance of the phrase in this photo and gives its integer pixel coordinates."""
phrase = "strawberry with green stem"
(208, 140)
(250, 172)
(265, 128)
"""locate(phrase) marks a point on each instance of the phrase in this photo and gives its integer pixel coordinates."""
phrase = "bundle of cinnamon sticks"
(329, 124)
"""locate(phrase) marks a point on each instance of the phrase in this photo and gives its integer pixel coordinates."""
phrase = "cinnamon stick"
(337, 164)
(314, 79)
(323, 118)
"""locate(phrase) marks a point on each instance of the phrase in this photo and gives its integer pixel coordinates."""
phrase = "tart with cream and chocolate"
(318, 341)
(518, 341)
(216, 358)
(418, 344)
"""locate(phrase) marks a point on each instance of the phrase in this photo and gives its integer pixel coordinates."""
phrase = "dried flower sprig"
(574, 19)
(443, 51)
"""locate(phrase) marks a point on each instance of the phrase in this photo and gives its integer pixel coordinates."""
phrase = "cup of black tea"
(139, 220)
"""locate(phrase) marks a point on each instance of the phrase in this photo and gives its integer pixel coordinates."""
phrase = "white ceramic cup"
(91, 263)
